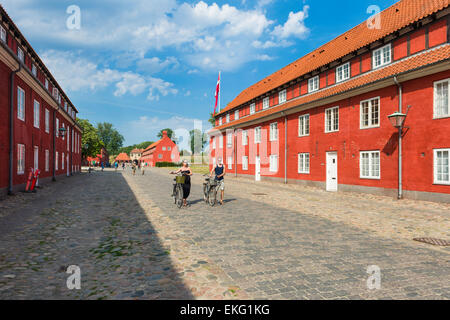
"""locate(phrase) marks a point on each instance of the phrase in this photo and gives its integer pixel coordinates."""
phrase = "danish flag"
(217, 94)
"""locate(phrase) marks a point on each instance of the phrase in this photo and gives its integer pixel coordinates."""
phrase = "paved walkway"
(131, 242)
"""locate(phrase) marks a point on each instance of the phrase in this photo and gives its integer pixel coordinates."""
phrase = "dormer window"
(382, 56)
(252, 108)
(34, 70)
(228, 117)
(236, 115)
(313, 84)
(220, 121)
(46, 84)
(266, 103)
(282, 96)
(2, 34)
(20, 54)
(343, 72)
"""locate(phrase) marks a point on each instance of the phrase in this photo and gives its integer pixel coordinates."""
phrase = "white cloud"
(155, 64)
(294, 26)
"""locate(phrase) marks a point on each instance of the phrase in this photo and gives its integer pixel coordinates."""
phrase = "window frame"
(20, 159)
(20, 54)
(47, 160)
(229, 140)
(382, 61)
(3, 35)
(272, 163)
(304, 169)
(303, 121)
(47, 120)
(314, 80)
(244, 138)
(34, 70)
(273, 134)
(332, 120)
(266, 103)
(252, 108)
(230, 163)
(36, 120)
(282, 93)
(370, 164)
(435, 181)
(245, 161)
(57, 161)
(221, 141)
(259, 136)
(21, 107)
(370, 113)
(340, 72)
(435, 84)
(236, 115)
(227, 118)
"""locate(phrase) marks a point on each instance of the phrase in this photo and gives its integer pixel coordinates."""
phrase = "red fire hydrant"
(30, 178)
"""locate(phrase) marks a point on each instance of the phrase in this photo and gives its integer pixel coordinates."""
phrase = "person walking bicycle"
(220, 172)
(186, 171)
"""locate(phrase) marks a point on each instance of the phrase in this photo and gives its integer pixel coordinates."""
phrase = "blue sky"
(144, 65)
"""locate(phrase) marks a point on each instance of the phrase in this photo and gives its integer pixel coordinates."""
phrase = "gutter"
(11, 131)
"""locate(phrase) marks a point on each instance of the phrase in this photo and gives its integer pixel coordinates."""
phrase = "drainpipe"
(54, 151)
(235, 152)
(285, 147)
(400, 132)
(11, 131)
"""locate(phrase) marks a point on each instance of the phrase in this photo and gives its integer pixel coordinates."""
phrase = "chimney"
(164, 134)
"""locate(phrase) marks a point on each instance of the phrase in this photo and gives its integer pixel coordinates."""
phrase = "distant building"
(136, 154)
(164, 150)
(123, 157)
(101, 157)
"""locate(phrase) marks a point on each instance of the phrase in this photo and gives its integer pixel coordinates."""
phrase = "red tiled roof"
(436, 55)
(123, 157)
(152, 146)
(137, 151)
(394, 18)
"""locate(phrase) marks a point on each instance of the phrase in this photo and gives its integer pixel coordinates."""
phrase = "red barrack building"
(38, 124)
(164, 150)
(323, 119)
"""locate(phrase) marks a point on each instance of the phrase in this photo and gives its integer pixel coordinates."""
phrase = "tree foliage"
(170, 133)
(112, 139)
(212, 119)
(91, 144)
(142, 145)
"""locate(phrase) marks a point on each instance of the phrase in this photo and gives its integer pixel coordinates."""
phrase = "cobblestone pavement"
(131, 242)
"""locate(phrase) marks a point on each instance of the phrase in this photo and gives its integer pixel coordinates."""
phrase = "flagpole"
(220, 87)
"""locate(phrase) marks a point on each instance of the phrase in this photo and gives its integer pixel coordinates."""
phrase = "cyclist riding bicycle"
(220, 172)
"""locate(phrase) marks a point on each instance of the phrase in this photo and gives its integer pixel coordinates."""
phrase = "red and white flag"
(217, 95)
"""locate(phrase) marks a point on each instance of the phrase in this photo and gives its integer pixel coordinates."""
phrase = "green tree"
(170, 133)
(128, 149)
(112, 139)
(212, 119)
(91, 144)
(197, 140)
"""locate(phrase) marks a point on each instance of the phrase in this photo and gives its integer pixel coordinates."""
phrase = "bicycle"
(177, 194)
(210, 188)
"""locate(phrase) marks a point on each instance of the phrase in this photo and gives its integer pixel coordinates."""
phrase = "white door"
(332, 171)
(257, 169)
(36, 158)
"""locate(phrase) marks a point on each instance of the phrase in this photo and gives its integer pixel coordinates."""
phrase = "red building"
(164, 150)
(38, 124)
(323, 119)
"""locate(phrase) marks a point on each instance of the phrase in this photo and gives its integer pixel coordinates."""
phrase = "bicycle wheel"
(174, 194)
(205, 193)
(212, 196)
(179, 196)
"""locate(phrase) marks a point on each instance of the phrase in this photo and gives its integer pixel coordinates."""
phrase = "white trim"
(370, 126)
(312, 84)
(435, 84)
(370, 164)
(273, 132)
(36, 157)
(332, 120)
(230, 163)
(229, 140)
(258, 138)
(21, 104)
(20, 54)
(340, 72)
(304, 169)
(36, 115)
(221, 141)
(20, 159)
(302, 119)
(282, 96)
(383, 62)
(2, 34)
(273, 163)
(435, 173)
(245, 163)
(253, 108)
(236, 115)
(266, 103)
(34, 70)
(244, 138)
(47, 160)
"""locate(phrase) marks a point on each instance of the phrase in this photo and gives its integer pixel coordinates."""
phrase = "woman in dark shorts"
(187, 172)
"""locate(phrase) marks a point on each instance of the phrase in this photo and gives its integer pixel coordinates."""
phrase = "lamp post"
(62, 132)
(397, 120)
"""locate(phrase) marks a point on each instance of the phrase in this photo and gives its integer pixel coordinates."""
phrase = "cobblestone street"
(269, 241)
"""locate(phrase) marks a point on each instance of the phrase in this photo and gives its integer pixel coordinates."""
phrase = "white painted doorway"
(257, 168)
(332, 171)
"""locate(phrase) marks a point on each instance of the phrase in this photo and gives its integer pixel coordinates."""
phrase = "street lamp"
(62, 131)
(397, 119)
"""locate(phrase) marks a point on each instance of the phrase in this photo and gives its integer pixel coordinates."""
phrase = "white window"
(303, 125)
(46, 84)
(214, 142)
(62, 161)
(258, 135)
(68, 139)
(36, 157)
(282, 96)
(163, 148)
(274, 131)
(169, 148)
(244, 138)
(252, 108)
(370, 164)
(332, 119)
(303, 163)
(56, 93)
(64, 137)
(273, 163)
(160, 156)
(57, 160)
(230, 163)
(20, 159)
(266, 102)
(229, 140)
(228, 117)
(382, 56)
(34, 70)
(370, 113)
(441, 166)
(441, 99)
(47, 121)
(220, 121)
(244, 163)
(313, 84)
(20, 104)
(236, 115)
(221, 141)
(343, 72)
(20, 55)
(37, 114)
(47, 160)
(57, 128)
(2, 34)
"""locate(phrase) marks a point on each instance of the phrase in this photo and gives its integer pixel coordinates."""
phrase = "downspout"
(400, 132)
(285, 147)
(235, 153)
(11, 131)
(54, 151)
